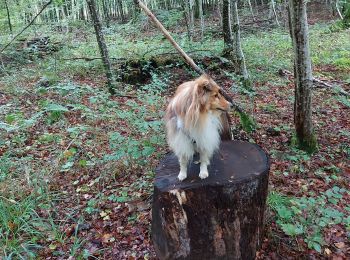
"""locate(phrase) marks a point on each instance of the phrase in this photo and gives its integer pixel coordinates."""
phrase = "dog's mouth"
(220, 109)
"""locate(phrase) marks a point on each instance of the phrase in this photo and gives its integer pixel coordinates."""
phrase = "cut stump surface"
(220, 217)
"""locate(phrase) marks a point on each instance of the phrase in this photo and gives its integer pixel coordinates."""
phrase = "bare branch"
(25, 28)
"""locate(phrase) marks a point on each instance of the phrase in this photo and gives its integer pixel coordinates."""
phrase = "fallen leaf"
(340, 245)
(107, 238)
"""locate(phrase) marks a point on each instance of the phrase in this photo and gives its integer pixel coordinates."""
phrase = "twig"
(9, 200)
(89, 58)
(31, 22)
(127, 96)
(173, 53)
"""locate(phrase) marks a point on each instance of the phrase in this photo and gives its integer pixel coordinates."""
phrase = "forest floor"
(76, 164)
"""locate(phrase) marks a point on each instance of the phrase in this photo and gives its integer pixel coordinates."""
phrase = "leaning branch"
(25, 28)
(188, 59)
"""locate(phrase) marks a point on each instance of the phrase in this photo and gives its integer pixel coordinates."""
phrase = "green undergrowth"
(309, 217)
(58, 121)
(62, 128)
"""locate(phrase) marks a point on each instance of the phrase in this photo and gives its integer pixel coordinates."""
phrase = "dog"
(193, 122)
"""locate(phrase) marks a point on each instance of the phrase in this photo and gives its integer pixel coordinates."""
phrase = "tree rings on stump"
(220, 217)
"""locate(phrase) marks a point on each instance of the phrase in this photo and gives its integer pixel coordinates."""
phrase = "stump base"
(220, 217)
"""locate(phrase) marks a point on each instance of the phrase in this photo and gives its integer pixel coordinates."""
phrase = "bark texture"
(200, 11)
(220, 217)
(102, 46)
(8, 16)
(239, 55)
(227, 31)
(302, 75)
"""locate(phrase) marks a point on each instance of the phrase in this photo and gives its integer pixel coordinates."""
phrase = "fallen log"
(317, 83)
(220, 217)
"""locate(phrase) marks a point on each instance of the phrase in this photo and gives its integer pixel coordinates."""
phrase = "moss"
(248, 123)
(247, 84)
(310, 145)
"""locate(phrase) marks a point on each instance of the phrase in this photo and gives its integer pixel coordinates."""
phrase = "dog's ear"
(204, 84)
(207, 86)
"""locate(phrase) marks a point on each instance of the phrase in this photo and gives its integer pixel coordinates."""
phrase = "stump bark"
(220, 217)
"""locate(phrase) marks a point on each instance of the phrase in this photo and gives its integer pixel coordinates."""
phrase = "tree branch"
(188, 59)
(317, 83)
(25, 28)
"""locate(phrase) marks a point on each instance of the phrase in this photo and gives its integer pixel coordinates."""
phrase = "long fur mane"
(188, 104)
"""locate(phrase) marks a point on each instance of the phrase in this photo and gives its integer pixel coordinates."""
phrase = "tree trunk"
(239, 55)
(106, 13)
(102, 46)
(218, 10)
(251, 9)
(8, 16)
(184, 7)
(200, 10)
(226, 26)
(273, 10)
(121, 11)
(220, 217)
(191, 18)
(302, 75)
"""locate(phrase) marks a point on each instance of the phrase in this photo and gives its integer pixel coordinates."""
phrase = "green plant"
(344, 100)
(248, 123)
(309, 216)
(5, 166)
(19, 227)
(91, 206)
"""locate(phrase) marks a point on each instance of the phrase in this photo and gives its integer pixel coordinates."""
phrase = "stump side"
(220, 217)
(235, 162)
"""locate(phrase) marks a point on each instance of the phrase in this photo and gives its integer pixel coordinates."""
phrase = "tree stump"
(220, 217)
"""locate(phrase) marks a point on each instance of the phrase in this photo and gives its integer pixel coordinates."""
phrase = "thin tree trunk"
(26, 27)
(102, 46)
(226, 26)
(191, 17)
(337, 8)
(8, 16)
(219, 9)
(120, 6)
(273, 9)
(106, 13)
(302, 75)
(240, 60)
(251, 9)
(200, 10)
(184, 7)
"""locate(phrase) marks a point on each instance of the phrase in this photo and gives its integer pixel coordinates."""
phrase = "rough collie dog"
(193, 122)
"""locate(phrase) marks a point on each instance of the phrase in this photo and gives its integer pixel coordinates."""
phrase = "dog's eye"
(216, 95)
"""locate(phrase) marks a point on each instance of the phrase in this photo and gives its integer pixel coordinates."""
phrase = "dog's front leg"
(183, 160)
(204, 165)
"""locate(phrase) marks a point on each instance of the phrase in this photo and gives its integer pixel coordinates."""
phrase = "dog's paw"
(203, 174)
(182, 176)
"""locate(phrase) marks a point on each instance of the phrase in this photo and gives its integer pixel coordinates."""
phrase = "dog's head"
(209, 95)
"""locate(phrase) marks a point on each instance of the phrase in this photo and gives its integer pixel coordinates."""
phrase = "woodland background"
(76, 162)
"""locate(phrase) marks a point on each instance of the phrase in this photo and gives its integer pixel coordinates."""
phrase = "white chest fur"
(206, 135)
